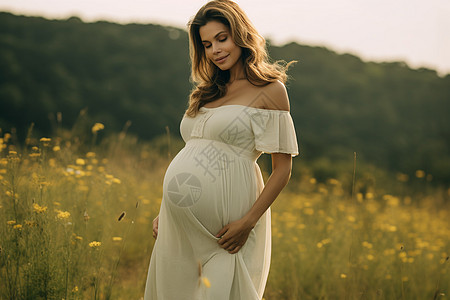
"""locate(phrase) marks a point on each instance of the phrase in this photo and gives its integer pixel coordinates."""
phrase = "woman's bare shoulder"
(276, 96)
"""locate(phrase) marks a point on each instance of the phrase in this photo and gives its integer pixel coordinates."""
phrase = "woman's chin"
(223, 68)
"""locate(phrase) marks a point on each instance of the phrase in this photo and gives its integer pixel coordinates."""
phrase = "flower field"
(76, 223)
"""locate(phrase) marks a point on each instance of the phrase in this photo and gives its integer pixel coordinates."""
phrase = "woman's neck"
(237, 72)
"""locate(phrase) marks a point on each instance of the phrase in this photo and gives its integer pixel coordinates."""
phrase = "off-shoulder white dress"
(211, 182)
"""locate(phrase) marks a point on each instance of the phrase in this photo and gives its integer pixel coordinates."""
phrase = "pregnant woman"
(213, 237)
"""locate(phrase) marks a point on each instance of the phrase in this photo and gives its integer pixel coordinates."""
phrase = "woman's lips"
(221, 60)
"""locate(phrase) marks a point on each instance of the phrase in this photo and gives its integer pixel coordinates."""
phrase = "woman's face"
(219, 45)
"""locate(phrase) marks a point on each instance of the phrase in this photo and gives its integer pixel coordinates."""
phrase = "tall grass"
(60, 233)
(76, 211)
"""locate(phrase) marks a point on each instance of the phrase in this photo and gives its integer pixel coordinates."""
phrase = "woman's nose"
(216, 48)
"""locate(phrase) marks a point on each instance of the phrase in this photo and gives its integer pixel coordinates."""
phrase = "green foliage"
(392, 116)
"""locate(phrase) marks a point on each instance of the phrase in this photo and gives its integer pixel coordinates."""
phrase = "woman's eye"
(222, 40)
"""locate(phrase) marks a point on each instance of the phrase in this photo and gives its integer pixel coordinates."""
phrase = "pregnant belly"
(215, 191)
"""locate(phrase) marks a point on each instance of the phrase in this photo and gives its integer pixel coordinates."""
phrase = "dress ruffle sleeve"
(274, 131)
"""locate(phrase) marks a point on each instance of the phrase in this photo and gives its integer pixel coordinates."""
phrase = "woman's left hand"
(234, 235)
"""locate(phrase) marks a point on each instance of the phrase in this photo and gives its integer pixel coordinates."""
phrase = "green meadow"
(76, 223)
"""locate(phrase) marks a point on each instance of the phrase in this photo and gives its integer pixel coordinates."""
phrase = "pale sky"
(414, 31)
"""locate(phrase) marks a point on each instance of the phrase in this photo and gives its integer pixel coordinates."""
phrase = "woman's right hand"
(155, 226)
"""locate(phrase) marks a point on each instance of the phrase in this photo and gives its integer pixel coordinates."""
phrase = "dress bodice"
(251, 129)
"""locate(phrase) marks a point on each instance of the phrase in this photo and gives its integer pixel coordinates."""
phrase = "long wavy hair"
(209, 80)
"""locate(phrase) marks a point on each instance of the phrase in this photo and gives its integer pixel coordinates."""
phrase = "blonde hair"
(209, 80)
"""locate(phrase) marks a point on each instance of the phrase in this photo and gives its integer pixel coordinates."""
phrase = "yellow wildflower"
(75, 289)
(392, 228)
(444, 258)
(420, 174)
(62, 214)
(116, 238)
(391, 200)
(326, 241)
(17, 226)
(333, 181)
(343, 275)
(301, 226)
(359, 197)
(10, 194)
(39, 209)
(30, 223)
(351, 219)
(367, 245)
(90, 154)
(56, 148)
(95, 244)
(116, 180)
(80, 162)
(12, 222)
(97, 127)
(44, 139)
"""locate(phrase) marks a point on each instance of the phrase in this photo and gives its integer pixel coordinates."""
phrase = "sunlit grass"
(327, 246)
(76, 217)
(64, 229)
